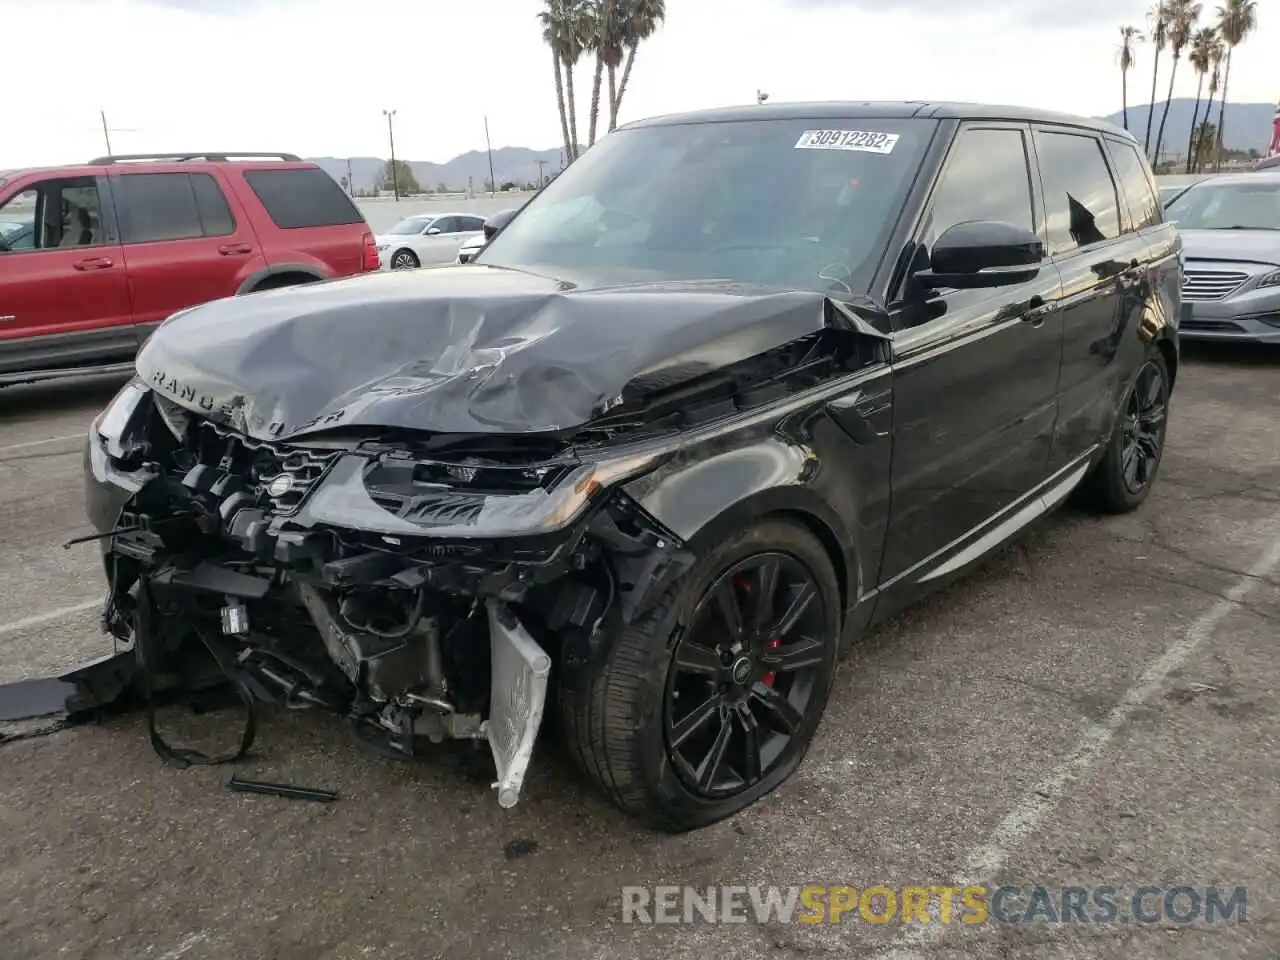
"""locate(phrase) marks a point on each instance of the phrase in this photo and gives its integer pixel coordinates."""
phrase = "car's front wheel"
(709, 702)
(404, 260)
(1126, 474)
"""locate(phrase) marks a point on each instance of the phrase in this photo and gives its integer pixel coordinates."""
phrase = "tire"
(620, 708)
(404, 260)
(1119, 484)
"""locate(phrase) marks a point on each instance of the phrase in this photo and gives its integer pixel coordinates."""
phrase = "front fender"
(702, 496)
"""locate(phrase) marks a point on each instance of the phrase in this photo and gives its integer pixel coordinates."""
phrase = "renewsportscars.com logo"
(936, 903)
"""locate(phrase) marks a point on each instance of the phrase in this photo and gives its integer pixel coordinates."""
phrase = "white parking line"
(40, 443)
(1028, 816)
(40, 619)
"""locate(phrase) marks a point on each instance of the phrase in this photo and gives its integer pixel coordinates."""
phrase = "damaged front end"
(416, 585)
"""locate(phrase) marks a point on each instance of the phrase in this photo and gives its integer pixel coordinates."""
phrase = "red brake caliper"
(769, 677)
(748, 587)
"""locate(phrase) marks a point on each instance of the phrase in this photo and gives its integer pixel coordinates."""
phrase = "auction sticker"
(864, 141)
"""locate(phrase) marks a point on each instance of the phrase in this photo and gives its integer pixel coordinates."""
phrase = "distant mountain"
(510, 164)
(1248, 124)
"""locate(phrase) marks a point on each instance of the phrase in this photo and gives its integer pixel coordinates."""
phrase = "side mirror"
(433, 231)
(495, 223)
(979, 254)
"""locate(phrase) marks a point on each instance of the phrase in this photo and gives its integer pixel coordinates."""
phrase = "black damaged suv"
(733, 388)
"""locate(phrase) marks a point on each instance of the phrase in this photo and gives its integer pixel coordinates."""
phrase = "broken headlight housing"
(117, 427)
(398, 495)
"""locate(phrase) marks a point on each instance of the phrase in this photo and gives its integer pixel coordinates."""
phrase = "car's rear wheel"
(404, 260)
(1126, 474)
(709, 702)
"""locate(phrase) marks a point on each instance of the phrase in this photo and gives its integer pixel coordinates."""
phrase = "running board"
(1038, 506)
(61, 373)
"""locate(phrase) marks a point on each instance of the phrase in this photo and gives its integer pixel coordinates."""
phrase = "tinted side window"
(1079, 194)
(445, 224)
(302, 198)
(157, 206)
(986, 178)
(472, 224)
(215, 215)
(1144, 203)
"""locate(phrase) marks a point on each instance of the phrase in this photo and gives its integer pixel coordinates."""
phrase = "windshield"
(775, 202)
(1228, 206)
(410, 225)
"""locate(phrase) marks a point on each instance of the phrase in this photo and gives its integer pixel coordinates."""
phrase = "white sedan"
(427, 239)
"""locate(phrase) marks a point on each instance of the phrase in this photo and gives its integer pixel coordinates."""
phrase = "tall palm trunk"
(1221, 145)
(626, 75)
(564, 117)
(613, 98)
(1195, 118)
(1124, 95)
(1164, 117)
(1208, 110)
(573, 112)
(1151, 110)
(595, 98)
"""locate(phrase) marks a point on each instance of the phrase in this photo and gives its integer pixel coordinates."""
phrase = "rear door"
(443, 240)
(183, 243)
(975, 371)
(1100, 264)
(63, 292)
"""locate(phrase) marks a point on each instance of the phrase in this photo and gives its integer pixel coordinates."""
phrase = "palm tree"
(1159, 17)
(554, 23)
(1130, 37)
(642, 22)
(1215, 84)
(578, 25)
(1236, 21)
(1183, 15)
(605, 39)
(1201, 57)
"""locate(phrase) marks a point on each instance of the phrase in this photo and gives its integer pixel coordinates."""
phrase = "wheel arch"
(275, 276)
(1169, 350)
(702, 530)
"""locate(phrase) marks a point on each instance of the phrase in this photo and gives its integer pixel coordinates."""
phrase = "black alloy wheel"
(744, 674)
(1125, 475)
(404, 260)
(1143, 428)
(709, 700)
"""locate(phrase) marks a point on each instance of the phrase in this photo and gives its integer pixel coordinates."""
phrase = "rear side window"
(302, 198)
(1079, 194)
(470, 223)
(157, 206)
(1144, 203)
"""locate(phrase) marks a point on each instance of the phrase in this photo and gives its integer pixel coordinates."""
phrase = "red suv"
(93, 258)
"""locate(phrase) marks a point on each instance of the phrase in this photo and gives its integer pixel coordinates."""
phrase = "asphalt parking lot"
(1099, 705)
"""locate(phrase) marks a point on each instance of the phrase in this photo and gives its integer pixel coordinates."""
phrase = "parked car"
(1230, 227)
(427, 239)
(467, 252)
(121, 243)
(667, 444)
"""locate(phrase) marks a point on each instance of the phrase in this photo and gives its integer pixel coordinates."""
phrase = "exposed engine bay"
(347, 556)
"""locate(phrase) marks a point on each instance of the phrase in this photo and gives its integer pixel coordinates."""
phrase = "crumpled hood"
(1245, 246)
(458, 349)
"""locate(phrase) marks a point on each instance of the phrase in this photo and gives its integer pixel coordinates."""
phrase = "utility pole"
(761, 96)
(105, 131)
(542, 179)
(493, 184)
(395, 179)
(351, 184)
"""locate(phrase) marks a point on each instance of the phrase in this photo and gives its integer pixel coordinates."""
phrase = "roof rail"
(217, 157)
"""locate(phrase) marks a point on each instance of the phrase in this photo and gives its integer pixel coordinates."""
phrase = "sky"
(313, 76)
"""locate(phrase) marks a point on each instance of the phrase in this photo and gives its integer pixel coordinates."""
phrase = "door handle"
(1037, 309)
(235, 249)
(94, 263)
